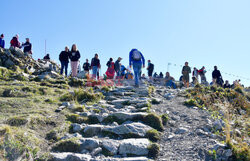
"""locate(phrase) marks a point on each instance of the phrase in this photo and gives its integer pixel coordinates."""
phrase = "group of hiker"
(116, 70)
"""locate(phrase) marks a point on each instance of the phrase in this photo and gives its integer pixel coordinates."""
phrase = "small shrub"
(76, 82)
(239, 89)
(154, 121)
(75, 118)
(69, 145)
(190, 102)
(52, 135)
(164, 119)
(17, 121)
(153, 135)
(153, 150)
(79, 109)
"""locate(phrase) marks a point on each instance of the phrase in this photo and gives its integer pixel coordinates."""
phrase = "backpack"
(136, 55)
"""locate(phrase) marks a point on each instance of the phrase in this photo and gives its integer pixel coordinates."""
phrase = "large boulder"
(138, 147)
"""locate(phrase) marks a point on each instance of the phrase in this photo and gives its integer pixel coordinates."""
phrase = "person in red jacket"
(111, 71)
(14, 42)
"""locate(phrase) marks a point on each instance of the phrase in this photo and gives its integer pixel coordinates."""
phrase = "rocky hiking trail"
(123, 127)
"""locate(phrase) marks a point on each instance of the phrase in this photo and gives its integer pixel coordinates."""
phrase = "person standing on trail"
(86, 66)
(74, 57)
(2, 42)
(217, 78)
(14, 42)
(27, 47)
(64, 59)
(46, 57)
(118, 67)
(137, 60)
(195, 73)
(95, 65)
(150, 69)
(186, 70)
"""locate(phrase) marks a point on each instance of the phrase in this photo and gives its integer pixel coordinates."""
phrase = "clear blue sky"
(202, 32)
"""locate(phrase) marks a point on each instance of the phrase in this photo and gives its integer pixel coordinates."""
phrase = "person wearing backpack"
(74, 57)
(15, 42)
(150, 69)
(137, 60)
(2, 42)
(64, 59)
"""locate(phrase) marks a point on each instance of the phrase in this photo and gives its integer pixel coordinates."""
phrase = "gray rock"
(111, 146)
(136, 128)
(89, 144)
(66, 104)
(218, 125)
(96, 151)
(181, 130)
(66, 156)
(92, 130)
(137, 147)
(128, 116)
(76, 127)
(69, 136)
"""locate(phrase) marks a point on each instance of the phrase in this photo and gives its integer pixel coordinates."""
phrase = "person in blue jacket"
(137, 60)
(2, 42)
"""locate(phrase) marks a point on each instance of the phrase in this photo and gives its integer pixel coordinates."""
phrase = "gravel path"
(185, 136)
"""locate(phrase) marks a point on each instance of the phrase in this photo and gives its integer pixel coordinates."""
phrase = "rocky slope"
(44, 116)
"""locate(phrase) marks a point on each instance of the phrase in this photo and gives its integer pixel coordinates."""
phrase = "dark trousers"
(64, 64)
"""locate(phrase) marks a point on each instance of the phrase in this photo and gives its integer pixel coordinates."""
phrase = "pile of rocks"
(15, 59)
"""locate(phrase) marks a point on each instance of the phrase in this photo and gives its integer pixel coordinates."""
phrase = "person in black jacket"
(95, 65)
(86, 66)
(64, 59)
(27, 46)
(74, 57)
(150, 69)
(109, 63)
(217, 78)
(46, 57)
(118, 67)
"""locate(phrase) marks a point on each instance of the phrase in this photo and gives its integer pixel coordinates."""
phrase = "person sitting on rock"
(169, 81)
(64, 59)
(46, 57)
(14, 42)
(2, 42)
(227, 85)
(86, 66)
(27, 47)
(161, 75)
